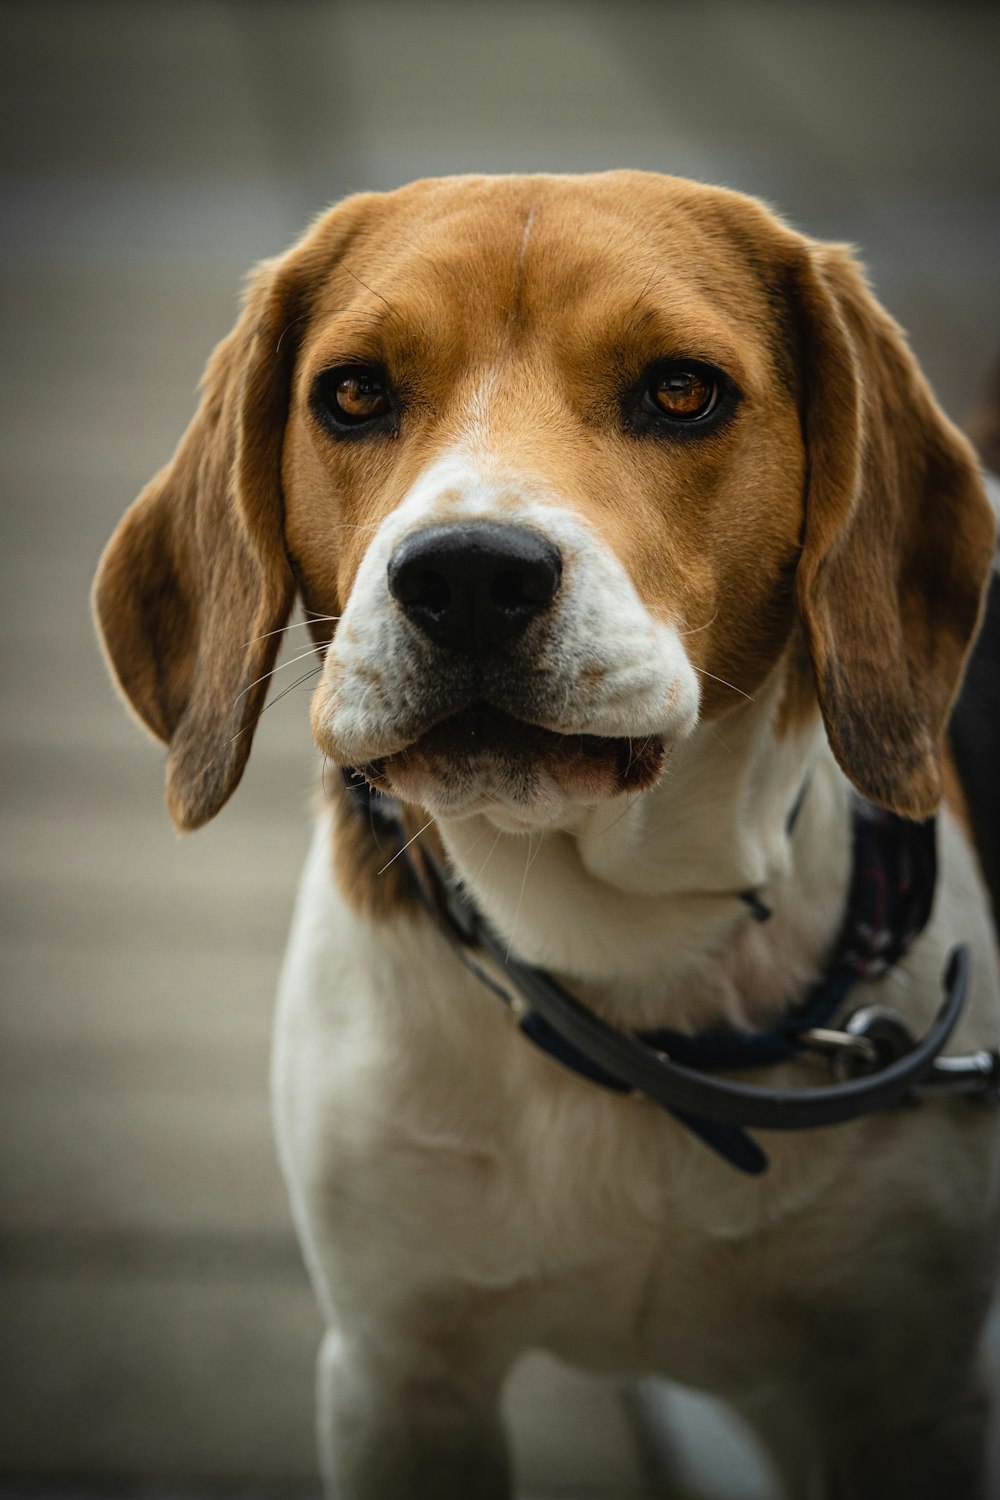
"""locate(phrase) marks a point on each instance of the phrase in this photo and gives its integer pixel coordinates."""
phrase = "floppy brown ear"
(194, 587)
(897, 544)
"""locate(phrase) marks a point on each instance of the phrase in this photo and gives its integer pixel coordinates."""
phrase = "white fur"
(611, 669)
(461, 1198)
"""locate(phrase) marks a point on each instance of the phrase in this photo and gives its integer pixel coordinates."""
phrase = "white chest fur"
(436, 1161)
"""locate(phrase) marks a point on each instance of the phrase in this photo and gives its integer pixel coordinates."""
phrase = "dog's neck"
(642, 907)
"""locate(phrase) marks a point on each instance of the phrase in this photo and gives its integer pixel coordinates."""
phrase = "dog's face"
(555, 457)
(571, 464)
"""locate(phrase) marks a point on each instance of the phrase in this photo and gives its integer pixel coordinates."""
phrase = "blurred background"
(156, 1330)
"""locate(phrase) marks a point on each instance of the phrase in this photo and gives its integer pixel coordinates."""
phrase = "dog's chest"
(440, 1167)
(407, 1097)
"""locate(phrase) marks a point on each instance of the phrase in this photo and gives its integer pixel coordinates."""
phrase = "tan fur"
(373, 876)
(897, 534)
(194, 587)
(460, 1197)
(428, 280)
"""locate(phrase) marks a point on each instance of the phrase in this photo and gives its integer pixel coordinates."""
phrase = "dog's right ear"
(195, 588)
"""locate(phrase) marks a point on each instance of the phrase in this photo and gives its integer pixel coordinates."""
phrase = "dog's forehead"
(520, 249)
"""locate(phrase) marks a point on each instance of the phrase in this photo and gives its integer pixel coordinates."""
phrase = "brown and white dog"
(622, 514)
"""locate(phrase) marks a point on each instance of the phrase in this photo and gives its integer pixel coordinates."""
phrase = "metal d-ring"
(884, 1030)
(874, 1036)
(871, 1038)
(848, 1054)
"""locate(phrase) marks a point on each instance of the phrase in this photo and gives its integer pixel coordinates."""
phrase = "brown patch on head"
(528, 356)
(533, 354)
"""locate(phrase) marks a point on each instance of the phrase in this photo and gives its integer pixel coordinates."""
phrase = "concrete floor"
(157, 1329)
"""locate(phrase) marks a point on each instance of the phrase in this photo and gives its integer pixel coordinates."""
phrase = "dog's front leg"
(402, 1421)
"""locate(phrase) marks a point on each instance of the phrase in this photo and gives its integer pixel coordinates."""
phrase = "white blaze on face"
(598, 663)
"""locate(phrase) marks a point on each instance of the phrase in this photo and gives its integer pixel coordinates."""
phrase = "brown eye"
(684, 395)
(360, 398)
(356, 402)
(681, 400)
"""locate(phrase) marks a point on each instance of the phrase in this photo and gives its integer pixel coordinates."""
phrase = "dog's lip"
(481, 729)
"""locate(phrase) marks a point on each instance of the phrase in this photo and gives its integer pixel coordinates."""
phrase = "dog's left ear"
(897, 544)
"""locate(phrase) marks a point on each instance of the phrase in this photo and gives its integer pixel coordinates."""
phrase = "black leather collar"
(893, 862)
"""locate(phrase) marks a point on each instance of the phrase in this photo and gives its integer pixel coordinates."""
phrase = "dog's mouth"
(483, 754)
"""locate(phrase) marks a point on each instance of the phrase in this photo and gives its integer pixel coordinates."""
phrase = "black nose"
(473, 586)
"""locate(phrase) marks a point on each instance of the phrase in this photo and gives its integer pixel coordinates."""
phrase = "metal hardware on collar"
(840, 1047)
(886, 1034)
(977, 1075)
(726, 1102)
(719, 1111)
(889, 1037)
(875, 1035)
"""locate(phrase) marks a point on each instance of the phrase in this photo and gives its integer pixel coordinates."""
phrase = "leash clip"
(871, 1038)
(848, 1055)
(885, 1032)
(875, 1037)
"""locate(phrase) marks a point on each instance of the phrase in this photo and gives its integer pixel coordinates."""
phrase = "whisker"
(520, 895)
(370, 289)
(629, 800)
(698, 628)
(732, 685)
(283, 694)
(520, 898)
(489, 856)
(294, 323)
(642, 294)
(290, 663)
(313, 620)
(481, 835)
(405, 847)
(371, 817)
(256, 720)
(627, 797)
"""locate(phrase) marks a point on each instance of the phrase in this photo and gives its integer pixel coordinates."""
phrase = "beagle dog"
(637, 558)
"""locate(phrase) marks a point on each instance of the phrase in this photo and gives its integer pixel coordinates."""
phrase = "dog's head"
(573, 463)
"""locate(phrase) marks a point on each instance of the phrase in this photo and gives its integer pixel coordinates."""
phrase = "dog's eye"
(680, 399)
(360, 396)
(352, 396)
(683, 395)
